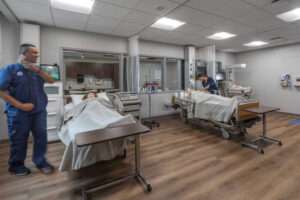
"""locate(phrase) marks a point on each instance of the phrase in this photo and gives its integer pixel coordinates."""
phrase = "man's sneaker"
(46, 168)
(20, 171)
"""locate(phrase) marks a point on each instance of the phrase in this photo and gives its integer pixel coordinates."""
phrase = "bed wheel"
(149, 188)
(280, 143)
(262, 151)
(225, 134)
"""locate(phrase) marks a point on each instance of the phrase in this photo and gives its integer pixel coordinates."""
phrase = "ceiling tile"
(185, 13)
(69, 16)
(207, 20)
(43, 2)
(226, 26)
(141, 18)
(69, 24)
(130, 26)
(99, 29)
(268, 24)
(233, 9)
(278, 9)
(108, 10)
(190, 28)
(28, 18)
(123, 33)
(253, 16)
(126, 4)
(179, 1)
(259, 3)
(242, 29)
(103, 21)
(206, 5)
(29, 8)
(150, 6)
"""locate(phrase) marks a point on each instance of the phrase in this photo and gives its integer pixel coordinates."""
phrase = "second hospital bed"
(225, 113)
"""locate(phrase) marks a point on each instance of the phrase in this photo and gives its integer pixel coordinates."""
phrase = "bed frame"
(238, 123)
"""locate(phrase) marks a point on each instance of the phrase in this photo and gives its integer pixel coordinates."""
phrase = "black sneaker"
(20, 171)
(46, 168)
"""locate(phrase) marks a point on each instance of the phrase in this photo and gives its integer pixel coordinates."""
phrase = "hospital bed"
(237, 122)
(88, 115)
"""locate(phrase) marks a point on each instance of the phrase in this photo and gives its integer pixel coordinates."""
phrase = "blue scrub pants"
(19, 128)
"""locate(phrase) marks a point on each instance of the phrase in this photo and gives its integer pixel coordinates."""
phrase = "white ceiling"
(248, 19)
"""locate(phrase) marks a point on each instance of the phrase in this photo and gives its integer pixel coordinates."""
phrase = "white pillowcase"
(103, 95)
(69, 106)
(77, 98)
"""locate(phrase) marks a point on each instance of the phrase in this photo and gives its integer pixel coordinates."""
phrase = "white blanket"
(90, 114)
(214, 107)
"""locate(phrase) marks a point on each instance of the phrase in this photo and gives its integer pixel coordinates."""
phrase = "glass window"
(150, 71)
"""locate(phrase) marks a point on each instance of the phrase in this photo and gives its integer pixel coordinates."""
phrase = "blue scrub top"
(211, 83)
(24, 85)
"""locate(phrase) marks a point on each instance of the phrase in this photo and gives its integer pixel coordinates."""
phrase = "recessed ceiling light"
(290, 16)
(167, 23)
(255, 43)
(221, 36)
(80, 6)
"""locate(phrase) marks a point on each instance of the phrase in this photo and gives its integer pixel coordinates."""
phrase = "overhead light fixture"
(255, 43)
(80, 6)
(221, 36)
(290, 16)
(167, 23)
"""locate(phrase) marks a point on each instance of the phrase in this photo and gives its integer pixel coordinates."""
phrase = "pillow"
(77, 98)
(103, 95)
(69, 106)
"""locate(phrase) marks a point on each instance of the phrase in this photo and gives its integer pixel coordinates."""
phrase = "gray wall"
(225, 58)
(10, 39)
(264, 68)
(53, 39)
(160, 49)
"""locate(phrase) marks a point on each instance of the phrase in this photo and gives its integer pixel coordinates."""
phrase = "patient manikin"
(89, 95)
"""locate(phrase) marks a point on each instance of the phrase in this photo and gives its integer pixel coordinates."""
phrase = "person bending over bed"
(208, 83)
(89, 95)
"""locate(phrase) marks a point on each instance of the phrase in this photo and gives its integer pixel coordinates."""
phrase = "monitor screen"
(52, 70)
(220, 76)
(201, 70)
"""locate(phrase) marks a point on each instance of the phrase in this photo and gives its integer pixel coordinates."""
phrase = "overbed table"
(103, 135)
(261, 110)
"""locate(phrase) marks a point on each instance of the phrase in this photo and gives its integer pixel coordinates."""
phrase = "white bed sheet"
(88, 115)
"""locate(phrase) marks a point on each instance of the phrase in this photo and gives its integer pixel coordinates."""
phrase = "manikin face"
(91, 95)
(31, 55)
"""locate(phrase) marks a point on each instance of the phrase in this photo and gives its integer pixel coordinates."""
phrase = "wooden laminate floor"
(181, 161)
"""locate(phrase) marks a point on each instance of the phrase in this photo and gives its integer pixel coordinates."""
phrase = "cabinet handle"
(50, 114)
(51, 128)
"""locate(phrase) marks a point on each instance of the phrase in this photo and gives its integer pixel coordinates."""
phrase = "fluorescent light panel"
(221, 36)
(167, 23)
(79, 6)
(255, 43)
(290, 16)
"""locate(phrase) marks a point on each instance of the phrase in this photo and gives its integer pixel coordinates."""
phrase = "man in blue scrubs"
(208, 83)
(21, 86)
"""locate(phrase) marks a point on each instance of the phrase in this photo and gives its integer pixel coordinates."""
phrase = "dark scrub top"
(24, 85)
(211, 83)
